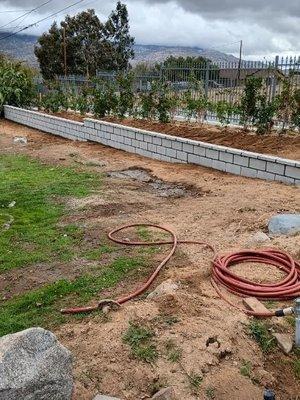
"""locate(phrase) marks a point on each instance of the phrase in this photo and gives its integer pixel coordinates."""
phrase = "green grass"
(259, 331)
(141, 341)
(296, 368)
(41, 307)
(95, 254)
(37, 189)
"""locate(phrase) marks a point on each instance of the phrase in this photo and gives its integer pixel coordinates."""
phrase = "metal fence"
(217, 80)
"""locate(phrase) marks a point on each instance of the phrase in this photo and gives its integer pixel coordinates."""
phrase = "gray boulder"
(284, 224)
(34, 366)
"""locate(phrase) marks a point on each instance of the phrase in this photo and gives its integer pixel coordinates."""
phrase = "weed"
(195, 382)
(140, 339)
(174, 352)
(210, 392)
(246, 368)
(259, 331)
(144, 233)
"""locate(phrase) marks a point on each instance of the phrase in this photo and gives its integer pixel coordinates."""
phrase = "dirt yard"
(198, 344)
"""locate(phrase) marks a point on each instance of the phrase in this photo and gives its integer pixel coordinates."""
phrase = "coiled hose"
(287, 289)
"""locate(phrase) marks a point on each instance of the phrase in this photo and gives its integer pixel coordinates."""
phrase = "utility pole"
(240, 60)
(65, 51)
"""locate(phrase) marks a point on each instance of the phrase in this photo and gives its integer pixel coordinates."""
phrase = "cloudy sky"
(267, 27)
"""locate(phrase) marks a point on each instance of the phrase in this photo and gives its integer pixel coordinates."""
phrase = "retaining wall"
(163, 147)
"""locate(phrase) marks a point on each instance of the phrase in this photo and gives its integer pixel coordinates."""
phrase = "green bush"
(16, 83)
(105, 99)
(126, 95)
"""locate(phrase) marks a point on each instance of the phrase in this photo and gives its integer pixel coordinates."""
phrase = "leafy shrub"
(146, 105)
(126, 95)
(105, 99)
(51, 101)
(195, 107)
(250, 98)
(224, 111)
(16, 83)
(265, 112)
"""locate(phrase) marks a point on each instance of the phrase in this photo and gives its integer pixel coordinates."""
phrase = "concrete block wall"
(164, 147)
(46, 123)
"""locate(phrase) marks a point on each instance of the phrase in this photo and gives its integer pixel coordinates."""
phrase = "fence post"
(207, 67)
(274, 80)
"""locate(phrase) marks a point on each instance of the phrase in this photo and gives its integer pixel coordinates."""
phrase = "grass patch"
(140, 340)
(210, 392)
(174, 352)
(195, 381)
(41, 307)
(296, 368)
(35, 236)
(259, 331)
(95, 254)
(246, 368)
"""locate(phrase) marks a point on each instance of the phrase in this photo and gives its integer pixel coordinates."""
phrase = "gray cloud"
(267, 27)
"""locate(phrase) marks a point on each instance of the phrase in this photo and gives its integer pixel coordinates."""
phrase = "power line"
(41, 20)
(27, 13)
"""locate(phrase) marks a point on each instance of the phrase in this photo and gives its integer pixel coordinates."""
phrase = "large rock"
(34, 366)
(284, 224)
(167, 287)
(164, 394)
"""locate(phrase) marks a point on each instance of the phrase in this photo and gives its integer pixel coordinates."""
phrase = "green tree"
(117, 33)
(49, 53)
(89, 44)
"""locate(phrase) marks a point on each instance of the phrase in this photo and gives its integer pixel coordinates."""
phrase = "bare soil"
(285, 145)
(211, 335)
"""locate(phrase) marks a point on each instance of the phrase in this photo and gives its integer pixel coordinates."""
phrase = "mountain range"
(21, 46)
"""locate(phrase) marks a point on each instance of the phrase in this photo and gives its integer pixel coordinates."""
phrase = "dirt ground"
(219, 208)
(284, 145)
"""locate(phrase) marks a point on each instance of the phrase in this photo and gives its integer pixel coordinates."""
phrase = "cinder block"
(240, 160)
(249, 172)
(171, 152)
(148, 138)
(189, 148)
(285, 179)
(199, 150)
(265, 175)
(224, 156)
(167, 143)
(233, 169)
(257, 164)
(156, 140)
(152, 147)
(210, 153)
(275, 168)
(182, 155)
(220, 165)
(292, 172)
(176, 145)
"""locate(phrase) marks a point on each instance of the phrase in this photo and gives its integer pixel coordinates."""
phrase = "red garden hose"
(287, 289)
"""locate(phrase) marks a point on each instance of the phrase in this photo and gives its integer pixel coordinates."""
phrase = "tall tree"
(88, 43)
(117, 32)
(49, 52)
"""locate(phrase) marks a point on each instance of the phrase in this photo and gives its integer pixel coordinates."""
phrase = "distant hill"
(21, 46)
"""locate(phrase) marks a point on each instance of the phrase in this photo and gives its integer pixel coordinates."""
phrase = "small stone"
(284, 224)
(20, 140)
(164, 394)
(284, 341)
(257, 239)
(12, 204)
(255, 305)
(104, 397)
(167, 287)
